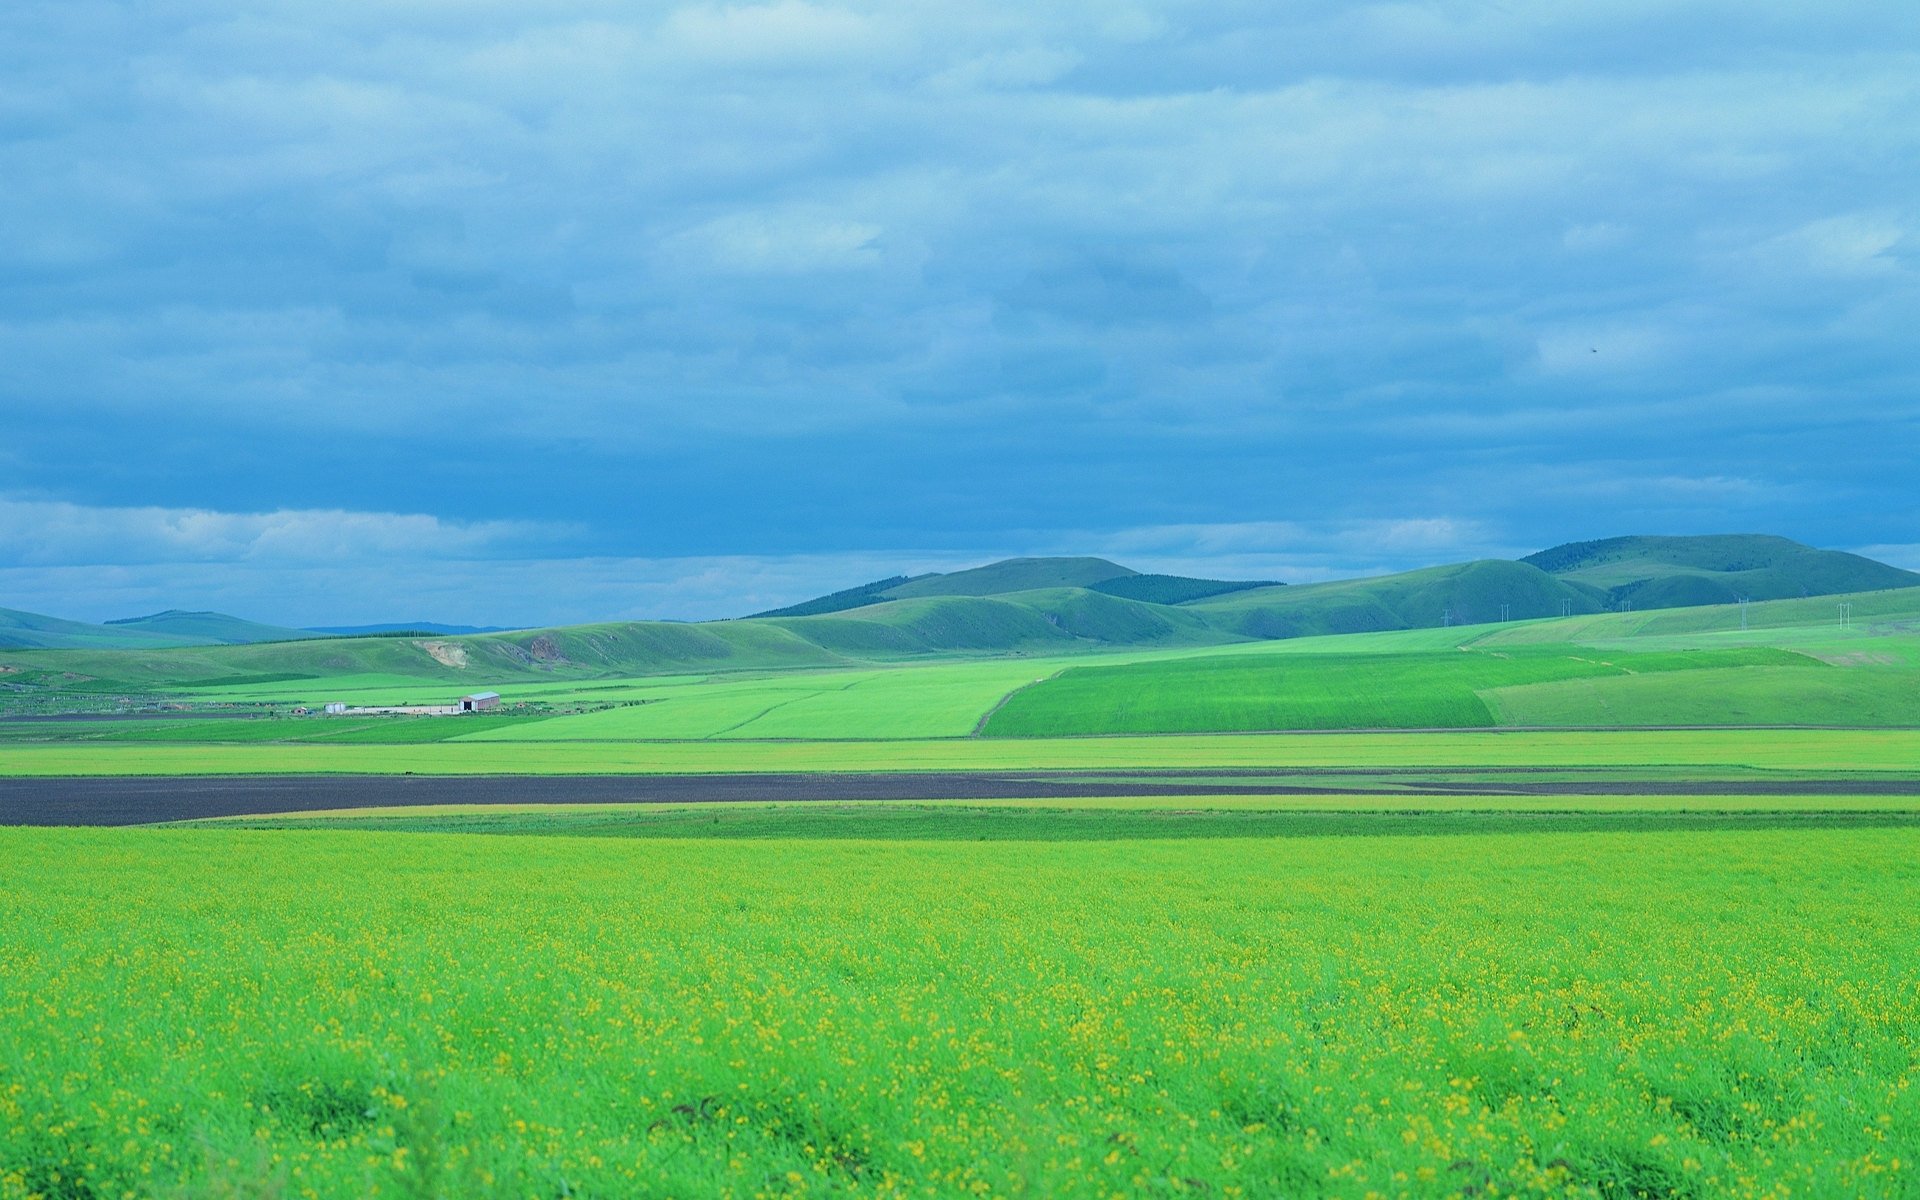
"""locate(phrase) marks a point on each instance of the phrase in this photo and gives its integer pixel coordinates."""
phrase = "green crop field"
(1686, 667)
(1481, 928)
(1802, 752)
(1262, 692)
(1700, 1011)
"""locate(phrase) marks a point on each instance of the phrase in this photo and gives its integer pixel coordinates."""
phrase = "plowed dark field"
(135, 800)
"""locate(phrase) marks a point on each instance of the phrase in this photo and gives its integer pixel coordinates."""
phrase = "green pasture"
(1265, 692)
(1699, 1011)
(1671, 668)
(1858, 696)
(395, 730)
(938, 700)
(1882, 613)
(1825, 752)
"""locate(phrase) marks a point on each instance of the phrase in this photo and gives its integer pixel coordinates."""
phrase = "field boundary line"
(775, 706)
(980, 726)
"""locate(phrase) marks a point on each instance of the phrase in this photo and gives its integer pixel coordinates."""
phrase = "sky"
(510, 313)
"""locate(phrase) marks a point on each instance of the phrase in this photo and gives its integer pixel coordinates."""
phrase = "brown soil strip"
(135, 800)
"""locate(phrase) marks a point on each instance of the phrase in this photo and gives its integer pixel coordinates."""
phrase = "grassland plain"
(336, 1014)
(1620, 669)
(1706, 753)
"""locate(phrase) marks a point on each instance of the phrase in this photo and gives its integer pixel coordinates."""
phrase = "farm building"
(336, 708)
(480, 702)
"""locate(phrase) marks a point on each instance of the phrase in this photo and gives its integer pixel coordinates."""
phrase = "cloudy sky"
(488, 311)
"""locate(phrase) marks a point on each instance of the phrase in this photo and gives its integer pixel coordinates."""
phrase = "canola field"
(330, 1014)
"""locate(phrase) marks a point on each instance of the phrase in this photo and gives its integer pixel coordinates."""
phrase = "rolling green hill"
(1174, 589)
(1018, 608)
(1465, 594)
(1676, 572)
(32, 631)
(1022, 575)
(212, 628)
(1013, 575)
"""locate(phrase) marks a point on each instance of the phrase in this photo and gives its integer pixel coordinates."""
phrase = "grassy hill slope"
(1013, 575)
(1174, 589)
(25, 630)
(1464, 594)
(1264, 692)
(212, 628)
(1052, 621)
(1671, 572)
(1076, 612)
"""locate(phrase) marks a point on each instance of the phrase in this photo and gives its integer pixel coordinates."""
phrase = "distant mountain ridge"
(1032, 606)
(211, 628)
(36, 631)
(1019, 575)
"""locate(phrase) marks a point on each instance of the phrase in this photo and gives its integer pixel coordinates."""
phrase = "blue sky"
(515, 313)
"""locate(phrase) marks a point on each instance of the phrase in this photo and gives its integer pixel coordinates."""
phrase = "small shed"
(480, 702)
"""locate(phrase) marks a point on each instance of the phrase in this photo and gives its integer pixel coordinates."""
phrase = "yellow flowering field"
(223, 1012)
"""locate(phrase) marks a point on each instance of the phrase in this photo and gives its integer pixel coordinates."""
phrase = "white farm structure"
(475, 703)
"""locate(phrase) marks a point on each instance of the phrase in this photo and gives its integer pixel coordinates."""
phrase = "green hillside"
(1465, 594)
(1262, 692)
(1013, 575)
(1174, 589)
(1054, 621)
(25, 630)
(1674, 572)
(212, 628)
(1082, 608)
(854, 597)
(994, 579)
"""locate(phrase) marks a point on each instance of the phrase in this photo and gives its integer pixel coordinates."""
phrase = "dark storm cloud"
(598, 283)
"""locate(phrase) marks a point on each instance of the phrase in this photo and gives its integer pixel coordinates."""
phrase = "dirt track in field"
(135, 800)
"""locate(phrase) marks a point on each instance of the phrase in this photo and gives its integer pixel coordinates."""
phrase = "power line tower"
(1566, 607)
(1743, 614)
(1506, 610)
(1846, 615)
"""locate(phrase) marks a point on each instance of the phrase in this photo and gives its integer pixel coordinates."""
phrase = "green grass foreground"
(220, 1012)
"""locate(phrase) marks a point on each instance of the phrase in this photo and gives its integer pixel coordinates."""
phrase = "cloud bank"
(770, 282)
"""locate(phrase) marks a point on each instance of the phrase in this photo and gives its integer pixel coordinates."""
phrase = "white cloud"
(1850, 245)
(1906, 555)
(782, 242)
(49, 532)
(787, 32)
